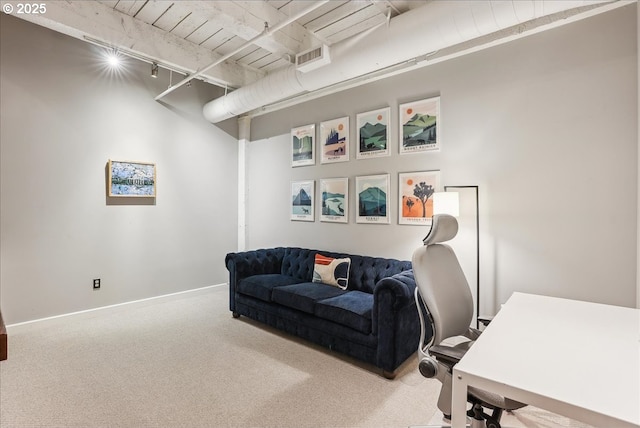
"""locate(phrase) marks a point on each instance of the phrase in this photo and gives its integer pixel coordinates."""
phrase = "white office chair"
(444, 297)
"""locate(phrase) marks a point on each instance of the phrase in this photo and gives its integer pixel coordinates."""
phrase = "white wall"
(63, 117)
(546, 126)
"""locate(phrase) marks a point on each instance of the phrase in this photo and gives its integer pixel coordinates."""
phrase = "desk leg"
(459, 401)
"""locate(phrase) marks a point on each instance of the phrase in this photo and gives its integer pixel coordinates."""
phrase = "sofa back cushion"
(364, 273)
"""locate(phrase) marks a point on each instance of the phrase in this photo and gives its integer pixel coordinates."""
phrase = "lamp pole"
(477, 247)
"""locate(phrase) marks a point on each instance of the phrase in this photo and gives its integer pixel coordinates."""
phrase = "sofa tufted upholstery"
(374, 320)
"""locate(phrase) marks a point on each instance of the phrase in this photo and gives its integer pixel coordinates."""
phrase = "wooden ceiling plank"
(355, 29)
(345, 25)
(276, 65)
(172, 16)
(110, 3)
(129, 7)
(322, 11)
(218, 39)
(153, 10)
(204, 32)
(339, 13)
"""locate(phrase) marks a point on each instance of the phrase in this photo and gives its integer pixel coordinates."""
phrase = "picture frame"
(415, 196)
(334, 140)
(372, 199)
(419, 126)
(303, 147)
(130, 179)
(303, 200)
(374, 136)
(334, 197)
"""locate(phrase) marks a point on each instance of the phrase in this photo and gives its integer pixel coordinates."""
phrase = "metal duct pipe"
(437, 25)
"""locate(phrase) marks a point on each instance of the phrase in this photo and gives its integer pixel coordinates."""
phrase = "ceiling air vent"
(313, 58)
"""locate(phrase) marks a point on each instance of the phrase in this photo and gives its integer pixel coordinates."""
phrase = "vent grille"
(313, 58)
(309, 56)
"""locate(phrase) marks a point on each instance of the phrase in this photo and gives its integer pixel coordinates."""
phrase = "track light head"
(154, 70)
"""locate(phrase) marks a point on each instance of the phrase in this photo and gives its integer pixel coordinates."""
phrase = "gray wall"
(63, 116)
(546, 126)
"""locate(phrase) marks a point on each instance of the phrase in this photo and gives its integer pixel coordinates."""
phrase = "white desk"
(573, 358)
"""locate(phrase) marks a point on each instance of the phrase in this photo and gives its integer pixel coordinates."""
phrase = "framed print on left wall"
(303, 147)
(131, 179)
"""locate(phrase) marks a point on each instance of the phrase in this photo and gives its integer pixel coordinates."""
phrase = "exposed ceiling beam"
(246, 19)
(99, 21)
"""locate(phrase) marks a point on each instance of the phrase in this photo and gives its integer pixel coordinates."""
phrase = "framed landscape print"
(420, 126)
(373, 133)
(302, 197)
(303, 145)
(334, 195)
(372, 199)
(132, 179)
(415, 196)
(334, 140)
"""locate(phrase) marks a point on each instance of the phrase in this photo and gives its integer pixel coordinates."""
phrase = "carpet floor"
(183, 361)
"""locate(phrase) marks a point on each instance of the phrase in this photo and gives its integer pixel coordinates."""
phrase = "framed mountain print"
(373, 133)
(372, 199)
(302, 198)
(420, 126)
(334, 196)
(334, 140)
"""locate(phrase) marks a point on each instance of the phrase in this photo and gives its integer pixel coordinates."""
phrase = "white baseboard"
(100, 308)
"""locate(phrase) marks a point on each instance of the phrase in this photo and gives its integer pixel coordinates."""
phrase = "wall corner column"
(244, 136)
(638, 162)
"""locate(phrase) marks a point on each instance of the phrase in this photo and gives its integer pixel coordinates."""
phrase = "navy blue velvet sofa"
(374, 320)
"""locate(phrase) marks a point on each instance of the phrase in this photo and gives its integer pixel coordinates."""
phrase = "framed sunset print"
(420, 126)
(415, 196)
(334, 140)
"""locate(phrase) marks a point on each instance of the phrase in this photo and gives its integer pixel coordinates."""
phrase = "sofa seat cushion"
(304, 296)
(352, 309)
(261, 286)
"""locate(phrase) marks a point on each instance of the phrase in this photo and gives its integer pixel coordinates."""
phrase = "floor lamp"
(450, 205)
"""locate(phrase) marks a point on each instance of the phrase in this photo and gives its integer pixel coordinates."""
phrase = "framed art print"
(303, 145)
(302, 197)
(415, 196)
(334, 140)
(334, 195)
(372, 199)
(373, 133)
(420, 126)
(131, 179)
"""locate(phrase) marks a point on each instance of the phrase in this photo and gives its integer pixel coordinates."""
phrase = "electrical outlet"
(96, 284)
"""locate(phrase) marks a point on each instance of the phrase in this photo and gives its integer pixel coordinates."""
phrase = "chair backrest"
(441, 282)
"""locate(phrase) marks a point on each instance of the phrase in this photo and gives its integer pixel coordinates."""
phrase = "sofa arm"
(256, 262)
(248, 263)
(395, 319)
(397, 290)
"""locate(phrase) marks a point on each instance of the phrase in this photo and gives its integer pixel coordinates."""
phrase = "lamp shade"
(446, 203)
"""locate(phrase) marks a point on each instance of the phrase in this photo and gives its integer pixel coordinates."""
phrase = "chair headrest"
(443, 228)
